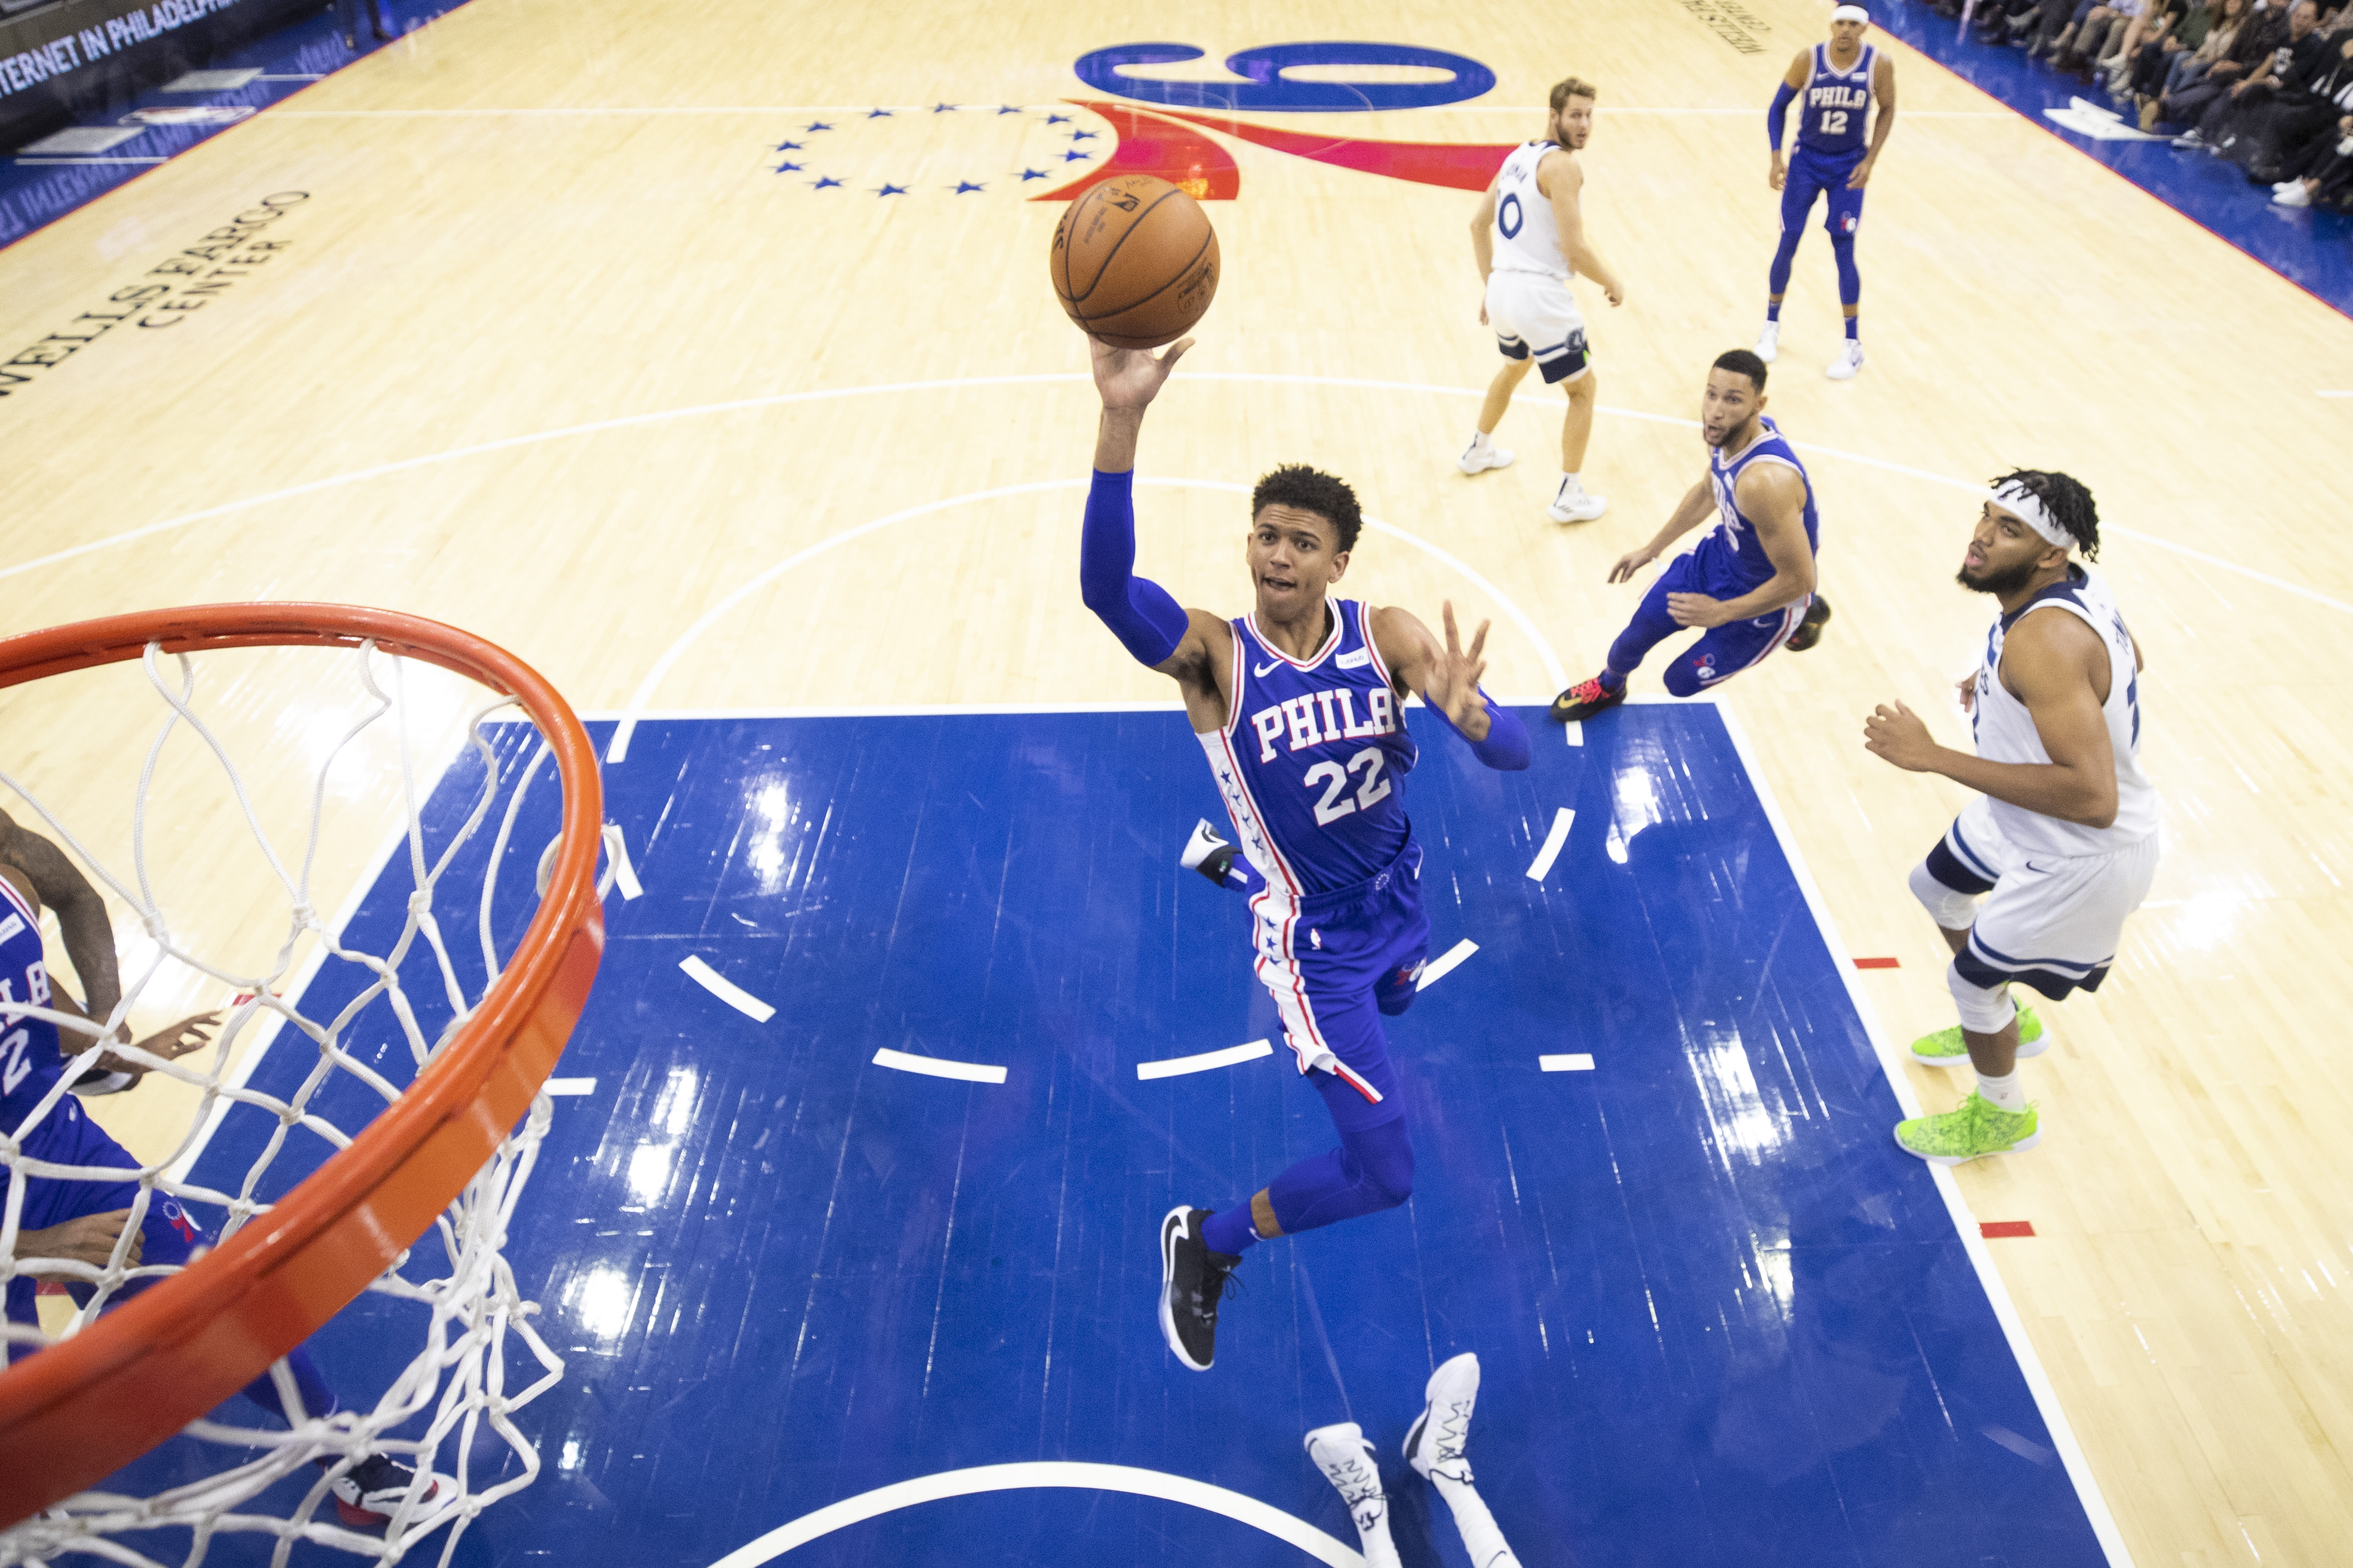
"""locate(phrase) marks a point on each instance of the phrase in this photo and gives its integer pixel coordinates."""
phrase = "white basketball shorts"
(2050, 921)
(1535, 313)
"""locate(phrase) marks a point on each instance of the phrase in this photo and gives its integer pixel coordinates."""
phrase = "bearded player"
(1300, 706)
(1838, 82)
(2062, 841)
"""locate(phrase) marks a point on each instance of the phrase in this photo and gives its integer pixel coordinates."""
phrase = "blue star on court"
(820, 125)
(1033, 174)
(1057, 120)
(1083, 135)
(943, 109)
(822, 180)
(965, 187)
(878, 114)
(788, 147)
(788, 168)
(890, 189)
(1008, 109)
(1076, 157)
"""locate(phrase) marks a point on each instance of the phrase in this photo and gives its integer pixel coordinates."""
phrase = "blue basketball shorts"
(1334, 962)
(1721, 652)
(1813, 174)
(68, 1137)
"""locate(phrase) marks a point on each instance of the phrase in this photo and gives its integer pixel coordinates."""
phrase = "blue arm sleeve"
(1778, 117)
(1139, 612)
(1505, 748)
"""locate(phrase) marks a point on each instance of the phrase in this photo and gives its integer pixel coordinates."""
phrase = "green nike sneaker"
(1978, 1128)
(1946, 1048)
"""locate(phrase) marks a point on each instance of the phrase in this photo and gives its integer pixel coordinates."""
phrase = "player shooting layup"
(1840, 81)
(1300, 706)
(2064, 837)
(1750, 582)
(1531, 207)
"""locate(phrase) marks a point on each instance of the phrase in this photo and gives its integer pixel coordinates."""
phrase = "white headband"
(2015, 497)
(1851, 13)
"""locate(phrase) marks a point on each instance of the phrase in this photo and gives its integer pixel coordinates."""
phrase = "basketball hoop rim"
(74, 1412)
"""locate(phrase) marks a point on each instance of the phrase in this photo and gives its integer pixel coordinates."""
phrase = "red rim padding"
(76, 1412)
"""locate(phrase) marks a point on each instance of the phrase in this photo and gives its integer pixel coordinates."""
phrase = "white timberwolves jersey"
(2006, 733)
(1526, 238)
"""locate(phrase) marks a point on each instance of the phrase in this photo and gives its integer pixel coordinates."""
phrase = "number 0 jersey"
(29, 1062)
(1311, 758)
(2005, 733)
(1528, 238)
(1835, 103)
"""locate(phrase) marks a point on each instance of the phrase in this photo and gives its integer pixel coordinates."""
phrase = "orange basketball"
(1135, 262)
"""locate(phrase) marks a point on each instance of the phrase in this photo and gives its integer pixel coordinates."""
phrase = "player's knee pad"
(1383, 1156)
(1985, 1009)
(1948, 906)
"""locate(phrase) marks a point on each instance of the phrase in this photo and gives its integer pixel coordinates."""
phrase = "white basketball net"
(461, 1282)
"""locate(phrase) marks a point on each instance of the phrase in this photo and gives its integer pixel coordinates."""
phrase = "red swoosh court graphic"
(1168, 144)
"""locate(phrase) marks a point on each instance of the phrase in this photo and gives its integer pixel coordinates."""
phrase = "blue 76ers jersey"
(1730, 560)
(29, 1062)
(1311, 756)
(1835, 103)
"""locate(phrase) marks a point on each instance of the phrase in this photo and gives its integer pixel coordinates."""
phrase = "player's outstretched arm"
(1153, 629)
(82, 913)
(1448, 678)
(2051, 659)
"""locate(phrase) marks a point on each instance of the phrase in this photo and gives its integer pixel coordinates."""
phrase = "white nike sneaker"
(1579, 507)
(1210, 852)
(1478, 458)
(1433, 1447)
(1769, 341)
(1849, 360)
(1346, 1461)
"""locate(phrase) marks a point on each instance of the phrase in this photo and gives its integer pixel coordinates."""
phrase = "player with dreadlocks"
(2063, 836)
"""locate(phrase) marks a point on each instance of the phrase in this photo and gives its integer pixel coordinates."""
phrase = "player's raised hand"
(1633, 560)
(1901, 736)
(1453, 684)
(1131, 378)
(89, 1239)
(171, 1044)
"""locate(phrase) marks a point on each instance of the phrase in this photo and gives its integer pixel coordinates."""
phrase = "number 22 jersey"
(1312, 757)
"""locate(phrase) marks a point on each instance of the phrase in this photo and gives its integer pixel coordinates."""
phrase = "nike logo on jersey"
(1321, 716)
(1263, 670)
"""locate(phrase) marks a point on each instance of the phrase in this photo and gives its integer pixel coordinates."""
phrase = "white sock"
(1478, 440)
(1480, 1539)
(1570, 485)
(2003, 1090)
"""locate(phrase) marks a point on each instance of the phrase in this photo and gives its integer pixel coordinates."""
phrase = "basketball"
(1135, 262)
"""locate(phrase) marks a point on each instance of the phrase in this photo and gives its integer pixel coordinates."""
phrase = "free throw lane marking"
(1172, 1067)
(1541, 864)
(1879, 963)
(1038, 1474)
(727, 991)
(1572, 1061)
(570, 1086)
(2001, 1229)
(1439, 969)
(936, 1067)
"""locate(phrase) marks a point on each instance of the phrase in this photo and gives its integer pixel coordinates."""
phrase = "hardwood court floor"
(552, 352)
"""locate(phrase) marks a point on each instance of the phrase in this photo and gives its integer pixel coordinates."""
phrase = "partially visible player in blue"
(1750, 582)
(1834, 86)
(82, 1221)
(1301, 707)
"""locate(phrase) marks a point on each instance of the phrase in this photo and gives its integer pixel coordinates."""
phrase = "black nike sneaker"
(1584, 699)
(1192, 1278)
(1809, 628)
